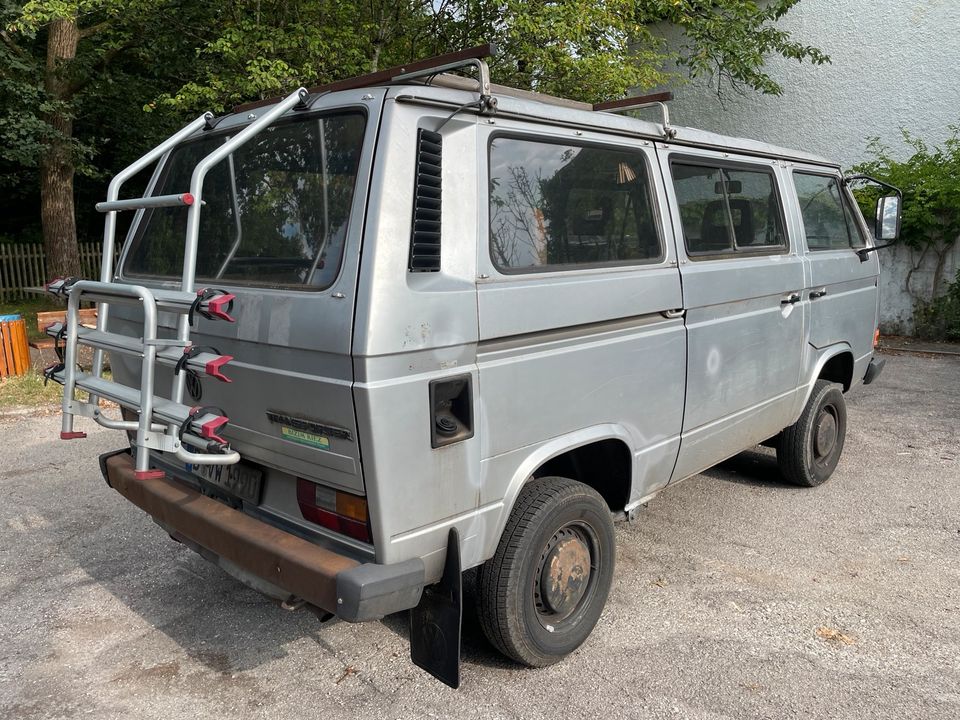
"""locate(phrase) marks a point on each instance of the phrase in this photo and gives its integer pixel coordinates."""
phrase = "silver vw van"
(370, 335)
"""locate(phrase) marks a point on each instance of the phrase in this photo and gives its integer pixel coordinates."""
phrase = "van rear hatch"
(280, 228)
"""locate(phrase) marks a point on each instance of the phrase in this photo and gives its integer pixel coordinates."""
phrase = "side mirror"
(887, 228)
(888, 218)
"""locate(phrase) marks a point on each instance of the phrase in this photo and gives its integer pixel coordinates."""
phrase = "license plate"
(239, 480)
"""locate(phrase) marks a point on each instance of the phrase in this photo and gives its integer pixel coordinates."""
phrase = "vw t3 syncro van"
(457, 325)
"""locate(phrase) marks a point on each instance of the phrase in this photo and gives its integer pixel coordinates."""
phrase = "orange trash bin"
(14, 350)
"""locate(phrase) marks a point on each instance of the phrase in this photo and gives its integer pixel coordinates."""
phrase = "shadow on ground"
(756, 467)
(212, 616)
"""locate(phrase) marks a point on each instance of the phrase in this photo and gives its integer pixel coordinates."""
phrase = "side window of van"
(827, 220)
(728, 209)
(555, 205)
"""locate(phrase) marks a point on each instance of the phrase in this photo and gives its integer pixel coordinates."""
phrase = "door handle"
(814, 294)
(671, 314)
(790, 299)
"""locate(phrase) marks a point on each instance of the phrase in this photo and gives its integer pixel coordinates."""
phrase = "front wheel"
(541, 594)
(808, 451)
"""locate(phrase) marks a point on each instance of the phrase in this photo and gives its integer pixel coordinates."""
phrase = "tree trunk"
(57, 165)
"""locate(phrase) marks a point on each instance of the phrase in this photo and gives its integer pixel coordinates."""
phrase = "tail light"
(876, 337)
(338, 511)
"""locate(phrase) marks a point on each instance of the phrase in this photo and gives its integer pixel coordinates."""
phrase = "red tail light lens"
(338, 511)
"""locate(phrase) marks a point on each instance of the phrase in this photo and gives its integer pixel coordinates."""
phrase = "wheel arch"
(838, 368)
(610, 441)
(835, 363)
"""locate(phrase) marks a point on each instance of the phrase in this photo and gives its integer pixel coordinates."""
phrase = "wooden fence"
(23, 266)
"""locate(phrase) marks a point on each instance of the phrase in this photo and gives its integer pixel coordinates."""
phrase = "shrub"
(940, 318)
(930, 181)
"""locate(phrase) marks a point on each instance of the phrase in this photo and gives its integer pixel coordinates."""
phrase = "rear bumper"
(333, 582)
(874, 369)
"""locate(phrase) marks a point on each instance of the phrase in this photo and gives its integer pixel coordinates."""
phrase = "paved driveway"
(736, 596)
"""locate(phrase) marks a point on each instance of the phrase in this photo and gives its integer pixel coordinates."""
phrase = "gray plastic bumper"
(370, 591)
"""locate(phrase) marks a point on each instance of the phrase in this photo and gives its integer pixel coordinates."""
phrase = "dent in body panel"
(745, 347)
(745, 352)
(736, 362)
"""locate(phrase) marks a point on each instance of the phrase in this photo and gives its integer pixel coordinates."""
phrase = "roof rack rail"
(642, 102)
(473, 56)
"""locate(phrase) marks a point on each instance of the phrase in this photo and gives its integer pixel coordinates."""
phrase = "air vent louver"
(425, 235)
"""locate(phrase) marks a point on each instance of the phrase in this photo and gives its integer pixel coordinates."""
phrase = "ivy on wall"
(930, 181)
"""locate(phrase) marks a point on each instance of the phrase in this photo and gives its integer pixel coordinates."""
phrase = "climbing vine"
(930, 180)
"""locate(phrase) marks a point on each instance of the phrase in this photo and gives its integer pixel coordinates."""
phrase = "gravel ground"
(737, 596)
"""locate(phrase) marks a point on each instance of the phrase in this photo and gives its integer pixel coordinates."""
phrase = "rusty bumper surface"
(306, 570)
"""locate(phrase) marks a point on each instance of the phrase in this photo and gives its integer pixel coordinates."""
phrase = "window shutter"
(425, 236)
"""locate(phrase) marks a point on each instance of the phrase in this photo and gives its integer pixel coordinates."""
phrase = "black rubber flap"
(436, 622)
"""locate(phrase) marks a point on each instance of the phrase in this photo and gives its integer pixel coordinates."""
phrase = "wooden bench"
(88, 318)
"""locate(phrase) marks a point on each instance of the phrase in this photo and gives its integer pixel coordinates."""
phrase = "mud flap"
(436, 622)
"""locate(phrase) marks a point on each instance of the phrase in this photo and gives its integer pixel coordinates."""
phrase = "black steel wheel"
(809, 450)
(541, 594)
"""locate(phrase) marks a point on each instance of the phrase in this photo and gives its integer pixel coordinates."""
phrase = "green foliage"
(29, 391)
(142, 66)
(930, 181)
(126, 53)
(589, 50)
(940, 318)
(28, 309)
(730, 40)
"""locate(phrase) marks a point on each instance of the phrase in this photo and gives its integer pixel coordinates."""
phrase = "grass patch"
(29, 391)
(29, 308)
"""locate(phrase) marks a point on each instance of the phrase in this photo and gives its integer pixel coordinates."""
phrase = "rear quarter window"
(563, 206)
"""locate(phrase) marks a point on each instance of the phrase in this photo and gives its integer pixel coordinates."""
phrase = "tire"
(541, 594)
(809, 450)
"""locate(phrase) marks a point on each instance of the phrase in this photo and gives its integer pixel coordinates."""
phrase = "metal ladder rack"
(643, 102)
(426, 70)
(192, 434)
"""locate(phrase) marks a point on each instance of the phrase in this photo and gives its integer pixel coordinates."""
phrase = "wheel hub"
(565, 574)
(825, 434)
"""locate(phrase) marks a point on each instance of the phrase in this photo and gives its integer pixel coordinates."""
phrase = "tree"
(730, 40)
(63, 63)
(590, 50)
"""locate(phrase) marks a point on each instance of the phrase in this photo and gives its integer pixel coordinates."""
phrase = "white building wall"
(895, 63)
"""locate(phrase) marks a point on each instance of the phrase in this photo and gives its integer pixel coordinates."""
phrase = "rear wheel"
(808, 451)
(541, 594)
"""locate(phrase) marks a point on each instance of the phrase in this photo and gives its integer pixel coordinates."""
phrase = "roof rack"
(642, 102)
(471, 57)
